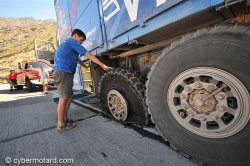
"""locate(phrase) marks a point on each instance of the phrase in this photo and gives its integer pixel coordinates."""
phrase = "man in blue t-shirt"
(65, 62)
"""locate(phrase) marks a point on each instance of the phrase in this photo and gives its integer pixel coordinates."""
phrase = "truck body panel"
(111, 23)
(82, 15)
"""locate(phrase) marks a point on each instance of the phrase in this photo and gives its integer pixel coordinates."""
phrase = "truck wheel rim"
(209, 102)
(117, 105)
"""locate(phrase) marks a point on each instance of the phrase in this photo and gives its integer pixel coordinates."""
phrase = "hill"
(17, 37)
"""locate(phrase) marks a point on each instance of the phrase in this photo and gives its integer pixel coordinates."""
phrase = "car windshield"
(37, 65)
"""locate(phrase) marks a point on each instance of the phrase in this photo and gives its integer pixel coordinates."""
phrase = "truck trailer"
(183, 65)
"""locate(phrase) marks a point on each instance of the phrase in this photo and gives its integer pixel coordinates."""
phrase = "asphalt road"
(28, 135)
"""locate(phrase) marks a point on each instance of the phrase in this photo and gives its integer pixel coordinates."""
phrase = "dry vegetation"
(17, 39)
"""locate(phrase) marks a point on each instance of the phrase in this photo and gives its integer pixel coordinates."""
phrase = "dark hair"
(79, 33)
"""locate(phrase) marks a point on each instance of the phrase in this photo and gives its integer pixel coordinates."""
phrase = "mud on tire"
(122, 95)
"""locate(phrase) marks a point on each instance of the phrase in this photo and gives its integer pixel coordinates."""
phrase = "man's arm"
(82, 51)
(97, 61)
(81, 63)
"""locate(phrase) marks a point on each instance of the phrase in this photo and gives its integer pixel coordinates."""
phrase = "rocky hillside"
(17, 39)
(26, 21)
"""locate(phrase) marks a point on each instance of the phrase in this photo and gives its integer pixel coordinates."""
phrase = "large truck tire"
(122, 95)
(198, 95)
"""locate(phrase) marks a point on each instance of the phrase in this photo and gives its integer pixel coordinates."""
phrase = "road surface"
(28, 135)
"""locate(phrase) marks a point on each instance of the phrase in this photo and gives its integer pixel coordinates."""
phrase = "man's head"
(41, 68)
(78, 35)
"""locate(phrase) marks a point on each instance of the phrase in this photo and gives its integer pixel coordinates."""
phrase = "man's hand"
(106, 68)
(97, 61)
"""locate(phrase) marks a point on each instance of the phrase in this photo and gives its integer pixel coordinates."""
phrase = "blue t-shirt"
(67, 54)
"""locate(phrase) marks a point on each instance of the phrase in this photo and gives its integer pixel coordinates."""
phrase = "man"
(19, 66)
(65, 62)
(44, 75)
(12, 79)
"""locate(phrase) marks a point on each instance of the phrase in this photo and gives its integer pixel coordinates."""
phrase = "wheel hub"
(117, 105)
(197, 102)
(209, 102)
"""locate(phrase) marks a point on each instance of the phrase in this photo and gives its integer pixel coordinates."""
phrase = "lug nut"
(221, 108)
(183, 96)
(192, 114)
(214, 117)
(198, 85)
(202, 118)
(185, 106)
(220, 97)
(188, 89)
(211, 88)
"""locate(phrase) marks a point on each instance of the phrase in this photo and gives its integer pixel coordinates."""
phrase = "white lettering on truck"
(160, 2)
(106, 4)
(131, 6)
(90, 32)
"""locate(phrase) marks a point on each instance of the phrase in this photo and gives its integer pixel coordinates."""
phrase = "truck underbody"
(140, 54)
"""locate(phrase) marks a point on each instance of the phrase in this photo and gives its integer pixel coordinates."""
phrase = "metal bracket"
(229, 3)
(133, 42)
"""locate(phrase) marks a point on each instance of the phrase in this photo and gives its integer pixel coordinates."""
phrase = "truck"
(183, 65)
(29, 74)
(44, 51)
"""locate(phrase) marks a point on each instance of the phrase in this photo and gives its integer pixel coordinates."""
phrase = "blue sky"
(38, 9)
